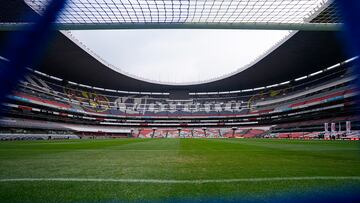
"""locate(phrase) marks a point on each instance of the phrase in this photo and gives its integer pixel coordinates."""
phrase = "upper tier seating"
(38, 92)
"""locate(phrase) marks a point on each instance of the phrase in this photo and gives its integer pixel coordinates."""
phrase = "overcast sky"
(179, 55)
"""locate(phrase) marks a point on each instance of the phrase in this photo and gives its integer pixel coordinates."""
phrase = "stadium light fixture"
(274, 85)
(98, 88)
(236, 91)
(301, 78)
(316, 73)
(133, 92)
(259, 88)
(4, 59)
(119, 91)
(156, 93)
(86, 86)
(285, 83)
(38, 72)
(226, 92)
(110, 90)
(56, 78)
(352, 59)
(247, 90)
(334, 66)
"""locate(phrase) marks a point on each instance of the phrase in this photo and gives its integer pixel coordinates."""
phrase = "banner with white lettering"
(333, 127)
(348, 126)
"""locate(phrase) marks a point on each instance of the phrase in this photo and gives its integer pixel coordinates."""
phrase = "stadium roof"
(303, 53)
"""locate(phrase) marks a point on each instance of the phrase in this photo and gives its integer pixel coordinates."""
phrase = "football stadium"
(284, 127)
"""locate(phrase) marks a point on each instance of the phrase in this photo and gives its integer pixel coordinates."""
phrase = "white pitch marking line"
(356, 178)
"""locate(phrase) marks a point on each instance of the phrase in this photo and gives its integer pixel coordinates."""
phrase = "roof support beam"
(234, 26)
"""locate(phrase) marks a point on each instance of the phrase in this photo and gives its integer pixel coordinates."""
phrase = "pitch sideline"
(269, 179)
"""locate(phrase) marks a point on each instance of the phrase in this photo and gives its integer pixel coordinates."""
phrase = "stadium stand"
(294, 109)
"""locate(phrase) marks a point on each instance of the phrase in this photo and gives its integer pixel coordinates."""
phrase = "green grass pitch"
(133, 161)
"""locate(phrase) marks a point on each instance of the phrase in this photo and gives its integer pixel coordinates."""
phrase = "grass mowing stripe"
(270, 179)
(159, 169)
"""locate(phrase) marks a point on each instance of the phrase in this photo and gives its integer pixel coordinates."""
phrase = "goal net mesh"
(194, 11)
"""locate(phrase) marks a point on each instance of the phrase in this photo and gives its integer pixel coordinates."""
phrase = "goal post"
(233, 26)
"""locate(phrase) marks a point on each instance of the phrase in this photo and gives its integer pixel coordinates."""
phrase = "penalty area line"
(269, 179)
